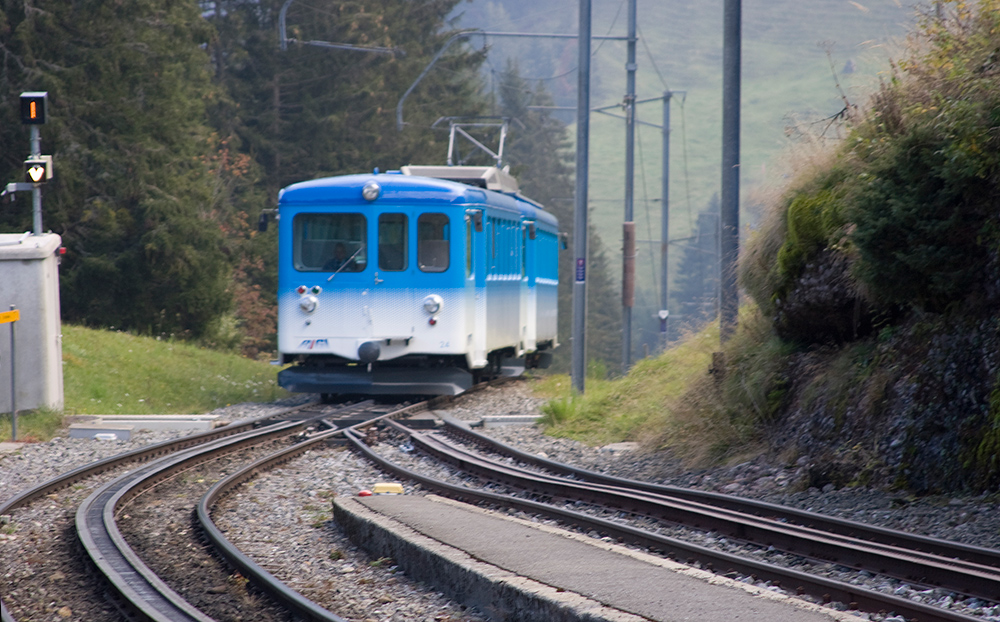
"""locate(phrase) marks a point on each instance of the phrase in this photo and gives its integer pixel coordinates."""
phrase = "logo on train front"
(315, 344)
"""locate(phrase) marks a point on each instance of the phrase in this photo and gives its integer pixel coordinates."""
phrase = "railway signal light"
(38, 169)
(34, 106)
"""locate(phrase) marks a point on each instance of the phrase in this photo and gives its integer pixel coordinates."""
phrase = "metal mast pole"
(730, 225)
(579, 366)
(36, 192)
(665, 224)
(628, 227)
(13, 382)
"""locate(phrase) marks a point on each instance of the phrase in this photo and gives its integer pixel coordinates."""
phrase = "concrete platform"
(495, 421)
(102, 431)
(6, 448)
(512, 569)
(150, 422)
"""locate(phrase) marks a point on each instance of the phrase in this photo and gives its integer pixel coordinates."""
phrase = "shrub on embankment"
(871, 349)
(880, 273)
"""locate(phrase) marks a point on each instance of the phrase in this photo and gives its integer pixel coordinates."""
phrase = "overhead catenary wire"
(652, 61)
(645, 204)
(687, 176)
(572, 69)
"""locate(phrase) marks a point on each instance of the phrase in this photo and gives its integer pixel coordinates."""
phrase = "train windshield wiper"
(344, 264)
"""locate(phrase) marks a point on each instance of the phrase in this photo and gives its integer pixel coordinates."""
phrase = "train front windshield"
(330, 242)
(339, 242)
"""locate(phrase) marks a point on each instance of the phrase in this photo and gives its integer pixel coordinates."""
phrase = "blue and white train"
(420, 281)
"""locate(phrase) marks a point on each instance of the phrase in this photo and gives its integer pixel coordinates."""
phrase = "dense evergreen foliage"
(128, 85)
(877, 281)
(174, 123)
(312, 111)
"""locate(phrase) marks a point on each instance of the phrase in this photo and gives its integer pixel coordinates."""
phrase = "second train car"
(418, 281)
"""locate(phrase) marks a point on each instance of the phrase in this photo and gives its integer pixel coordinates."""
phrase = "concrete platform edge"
(498, 593)
(383, 536)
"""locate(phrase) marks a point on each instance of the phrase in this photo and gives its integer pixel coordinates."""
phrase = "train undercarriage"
(408, 375)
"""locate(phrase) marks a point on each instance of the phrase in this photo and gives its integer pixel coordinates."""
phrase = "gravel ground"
(161, 527)
(282, 519)
(42, 573)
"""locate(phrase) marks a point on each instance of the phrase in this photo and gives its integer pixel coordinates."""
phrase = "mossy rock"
(822, 305)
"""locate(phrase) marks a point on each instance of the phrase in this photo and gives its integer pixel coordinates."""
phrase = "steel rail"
(831, 524)
(260, 577)
(136, 588)
(802, 583)
(137, 455)
(970, 579)
(247, 567)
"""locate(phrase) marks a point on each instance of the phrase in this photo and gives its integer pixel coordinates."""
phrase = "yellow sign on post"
(10, 316)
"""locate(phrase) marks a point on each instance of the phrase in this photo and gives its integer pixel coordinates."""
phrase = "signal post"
(29, 287)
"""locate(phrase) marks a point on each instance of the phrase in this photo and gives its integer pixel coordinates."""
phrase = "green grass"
(625, 408)
(786, 83)
(31, 426)
(108, 373)
(674, 402)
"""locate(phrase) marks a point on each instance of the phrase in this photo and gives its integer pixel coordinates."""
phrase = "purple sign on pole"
(581, 270)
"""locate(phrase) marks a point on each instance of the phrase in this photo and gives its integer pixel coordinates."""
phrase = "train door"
(475, 257)
(392, 312)
(529, 298)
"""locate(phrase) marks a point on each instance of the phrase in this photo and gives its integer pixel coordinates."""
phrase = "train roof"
(413, 184)
(489, 177)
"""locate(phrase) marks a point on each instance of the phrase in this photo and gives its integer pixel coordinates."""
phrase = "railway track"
(133, 587)
(966, 570)
(550, 487)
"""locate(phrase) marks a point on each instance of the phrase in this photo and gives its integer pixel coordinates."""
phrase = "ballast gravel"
(283, 520)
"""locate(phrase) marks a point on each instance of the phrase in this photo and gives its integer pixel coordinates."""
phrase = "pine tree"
(540, 157)
(696, 294)
(128, 86)
(312, 111)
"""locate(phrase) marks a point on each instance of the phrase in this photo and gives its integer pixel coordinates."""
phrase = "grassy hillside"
(630, 408)
(786, 77)
(111, 373)
(871, 347)
(787, 84)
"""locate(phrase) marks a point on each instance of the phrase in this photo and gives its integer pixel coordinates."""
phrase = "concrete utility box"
(29, 280)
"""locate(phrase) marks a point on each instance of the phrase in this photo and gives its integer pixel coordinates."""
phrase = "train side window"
(330, 242)
(505, 244)
(512, 245)
(392, 242)
(493, 238)
(433, 246)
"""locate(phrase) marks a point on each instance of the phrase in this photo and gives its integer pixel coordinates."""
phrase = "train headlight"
(433, 304)
(371, 191)
(308, 303)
